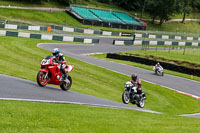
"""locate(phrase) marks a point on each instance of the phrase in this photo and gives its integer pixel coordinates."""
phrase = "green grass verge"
(24, 57)
(26, 117)
(103, 56)
(37, 17)
(193, 15)
(191, 55)
(52, 4)
(188, 27)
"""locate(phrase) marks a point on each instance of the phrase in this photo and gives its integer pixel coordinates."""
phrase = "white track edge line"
(76, 103)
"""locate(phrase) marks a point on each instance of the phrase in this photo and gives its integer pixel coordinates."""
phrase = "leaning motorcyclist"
(137, 82)
(61, 60)
(157, 66)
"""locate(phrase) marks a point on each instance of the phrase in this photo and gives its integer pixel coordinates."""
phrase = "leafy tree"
(187, 6)
(161, 9)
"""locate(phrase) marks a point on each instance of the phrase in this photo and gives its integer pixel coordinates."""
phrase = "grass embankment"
(103, 56)
(24, 3)
(47, 18)
(21, 58)
(31, 117)
(62, 18)
(188, 27)
(191, 57)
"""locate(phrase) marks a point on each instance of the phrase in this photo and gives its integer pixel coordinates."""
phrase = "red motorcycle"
(50, 73)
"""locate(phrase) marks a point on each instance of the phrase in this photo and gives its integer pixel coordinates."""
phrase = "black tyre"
(156, 73)
(66, 85)
(141, 103)
(41, 79)
(162, 73)
(125, 97)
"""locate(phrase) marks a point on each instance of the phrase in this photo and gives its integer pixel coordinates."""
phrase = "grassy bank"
(31, 117)
(35, 17)
(188, 27)
(190, 57)
(32, 4)
(62, 18)
(25, 58)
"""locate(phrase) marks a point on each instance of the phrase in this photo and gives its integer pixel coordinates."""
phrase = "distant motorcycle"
(158, 71)
(130, 95)
(50, 74)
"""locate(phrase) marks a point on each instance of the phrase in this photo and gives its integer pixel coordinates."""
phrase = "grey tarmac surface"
(22, 89)
(13, 88)
(171, 82)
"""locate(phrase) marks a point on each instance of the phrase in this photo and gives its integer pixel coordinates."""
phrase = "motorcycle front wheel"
(66, 85)
(42, 79)
(162, 73)
(141, 103)
(125, 97)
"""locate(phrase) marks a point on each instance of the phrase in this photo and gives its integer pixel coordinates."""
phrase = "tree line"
(157, 9)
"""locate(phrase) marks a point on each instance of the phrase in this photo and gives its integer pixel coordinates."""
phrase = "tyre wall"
(168, 66)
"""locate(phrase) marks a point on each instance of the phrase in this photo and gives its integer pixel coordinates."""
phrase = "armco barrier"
(173, 37)
(47, 37)
(8, 33)
(154, 42)
(67, 29)
(35, 36)
(125, 42)
(145, 61)
(98, 32)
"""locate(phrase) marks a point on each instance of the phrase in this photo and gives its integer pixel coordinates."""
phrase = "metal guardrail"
(169, 33)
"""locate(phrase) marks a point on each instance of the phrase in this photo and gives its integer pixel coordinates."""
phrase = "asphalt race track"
(30, 91)
(178, 84)
(78, 52)
(26, 90)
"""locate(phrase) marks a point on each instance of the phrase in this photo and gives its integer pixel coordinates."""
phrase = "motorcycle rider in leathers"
(60, 59)
(157, 66)
(136, 82)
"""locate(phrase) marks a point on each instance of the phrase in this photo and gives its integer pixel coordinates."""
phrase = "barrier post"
(191, 77)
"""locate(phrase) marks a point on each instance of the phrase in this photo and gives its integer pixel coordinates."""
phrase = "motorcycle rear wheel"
(125, 97)
(66, 86)
(41, 80)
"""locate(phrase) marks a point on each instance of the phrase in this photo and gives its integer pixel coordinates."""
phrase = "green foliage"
(159, 8)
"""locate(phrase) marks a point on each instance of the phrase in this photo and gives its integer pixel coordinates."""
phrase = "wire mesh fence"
(185, 50)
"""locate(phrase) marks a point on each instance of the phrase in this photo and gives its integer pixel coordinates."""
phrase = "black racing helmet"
(134, 77)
